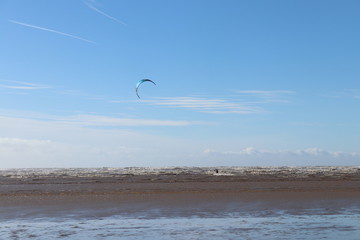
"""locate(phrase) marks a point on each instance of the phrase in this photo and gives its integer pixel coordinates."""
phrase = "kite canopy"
(139, 83)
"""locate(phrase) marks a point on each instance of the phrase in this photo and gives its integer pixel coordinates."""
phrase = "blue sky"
(238, 83)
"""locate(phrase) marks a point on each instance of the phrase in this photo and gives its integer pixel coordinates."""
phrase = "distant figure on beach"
(216, 171)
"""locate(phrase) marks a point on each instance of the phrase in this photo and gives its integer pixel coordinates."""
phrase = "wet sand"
(176, 192)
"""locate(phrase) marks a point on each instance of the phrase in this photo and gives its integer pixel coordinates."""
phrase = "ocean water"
(345, 225)
(333, 171)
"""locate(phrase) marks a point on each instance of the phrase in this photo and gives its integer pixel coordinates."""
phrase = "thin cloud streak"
(51, 30)
(306, 157)
(206, 105)
(21, 85)
(269, 96)
(346, 93)
(33, 152)
(250, 151)
(354, 93)
(266, 93)
(250, 102)
(85, 120)
(95, 120)
(92, 7)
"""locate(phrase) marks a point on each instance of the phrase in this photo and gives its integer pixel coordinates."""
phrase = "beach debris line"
(139, 83)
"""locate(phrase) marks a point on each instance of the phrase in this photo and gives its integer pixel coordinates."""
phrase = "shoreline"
(138, 174)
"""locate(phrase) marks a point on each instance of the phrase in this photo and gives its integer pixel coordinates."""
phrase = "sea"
(277, 225)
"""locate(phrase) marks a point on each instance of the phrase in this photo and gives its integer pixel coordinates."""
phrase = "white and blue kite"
(140, 82)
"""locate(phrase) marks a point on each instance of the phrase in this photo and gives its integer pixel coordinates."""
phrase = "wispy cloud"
(250, 151)
(268, 96)
(207, 105)
(87, 120)
(246, 102)
(20, 85)
(354, 93)
(309, 156)
(38, 140)
(30, 153)
(51, 30)
(90, 4)
(95, 120)
(341, 94)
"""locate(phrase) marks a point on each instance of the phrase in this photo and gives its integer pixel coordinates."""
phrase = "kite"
(139, 83)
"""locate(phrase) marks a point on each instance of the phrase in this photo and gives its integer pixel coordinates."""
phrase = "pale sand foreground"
(176, 191)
